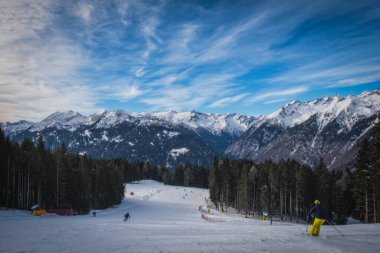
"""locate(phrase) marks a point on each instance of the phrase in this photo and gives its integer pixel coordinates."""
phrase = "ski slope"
(166, 219)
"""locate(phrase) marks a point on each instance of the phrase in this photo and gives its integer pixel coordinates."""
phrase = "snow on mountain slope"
(215, 123)
(352, 108)
(15, 127)
(70, 120)
(331, 127)
(178, 151)
(166, 219)
(137, 136)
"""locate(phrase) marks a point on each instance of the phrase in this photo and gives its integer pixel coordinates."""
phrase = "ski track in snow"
(165, 219)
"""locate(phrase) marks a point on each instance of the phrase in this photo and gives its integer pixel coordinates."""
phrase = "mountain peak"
(332, 127)
(327, 109)
(68, 119)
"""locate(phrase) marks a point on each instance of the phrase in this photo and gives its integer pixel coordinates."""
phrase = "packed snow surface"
(167, 219)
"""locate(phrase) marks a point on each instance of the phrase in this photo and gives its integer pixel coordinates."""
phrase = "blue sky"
(248, 57)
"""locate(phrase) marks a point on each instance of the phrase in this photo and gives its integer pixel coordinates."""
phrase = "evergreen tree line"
(367, 178)
(181, 175)
(30, 174)
(287, 189)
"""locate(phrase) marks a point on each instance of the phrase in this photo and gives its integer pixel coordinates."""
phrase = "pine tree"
(214, 182)
(367, 177)
(4, 171)
(179, 177)
(361, 191)
(187, 176)
(253, 171)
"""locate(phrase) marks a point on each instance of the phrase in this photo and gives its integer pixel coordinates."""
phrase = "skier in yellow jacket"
(319, 218)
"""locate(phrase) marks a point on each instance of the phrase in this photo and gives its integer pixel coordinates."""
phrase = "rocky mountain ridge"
(331, 128)
(166, 138)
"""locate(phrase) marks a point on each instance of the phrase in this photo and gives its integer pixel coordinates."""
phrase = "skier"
(319, 218)
(127, 217)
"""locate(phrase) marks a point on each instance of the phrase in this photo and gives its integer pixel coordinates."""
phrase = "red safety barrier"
(49, 215)
(212, 218)
(63, 212)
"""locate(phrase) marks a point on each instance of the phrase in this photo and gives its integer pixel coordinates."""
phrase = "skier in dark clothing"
(319, 218)
(127, 217)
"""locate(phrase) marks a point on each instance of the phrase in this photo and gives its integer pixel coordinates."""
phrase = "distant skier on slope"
(127, 216)
(319, 218)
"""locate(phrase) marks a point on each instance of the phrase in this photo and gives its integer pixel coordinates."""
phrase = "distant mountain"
(166, 138)
(331, 127)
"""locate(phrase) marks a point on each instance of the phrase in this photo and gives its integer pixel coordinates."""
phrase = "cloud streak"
(223, 102)
(269, 95)
(39, 75)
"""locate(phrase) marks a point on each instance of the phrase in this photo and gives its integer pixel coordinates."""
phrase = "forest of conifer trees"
(287, 189)
(30, 174)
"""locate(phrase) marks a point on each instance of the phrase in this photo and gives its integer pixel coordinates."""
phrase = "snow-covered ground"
(166, 219)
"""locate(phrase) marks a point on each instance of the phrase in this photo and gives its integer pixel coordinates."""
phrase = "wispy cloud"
(278, 94)
(195, 95)
(131, 92)
(356, 80)
(183, 55)
(346, 74)
(275, 101)
(39, 74)
(84, 11)
(223, 102)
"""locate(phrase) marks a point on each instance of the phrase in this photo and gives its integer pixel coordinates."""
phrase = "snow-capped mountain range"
(161, 137)
(331, 127)
(232, 124)
(350, 109)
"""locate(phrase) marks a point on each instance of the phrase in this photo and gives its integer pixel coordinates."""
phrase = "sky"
(247, 57)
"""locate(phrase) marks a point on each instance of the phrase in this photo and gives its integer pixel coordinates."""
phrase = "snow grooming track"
(130, 202)
(147, 196)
